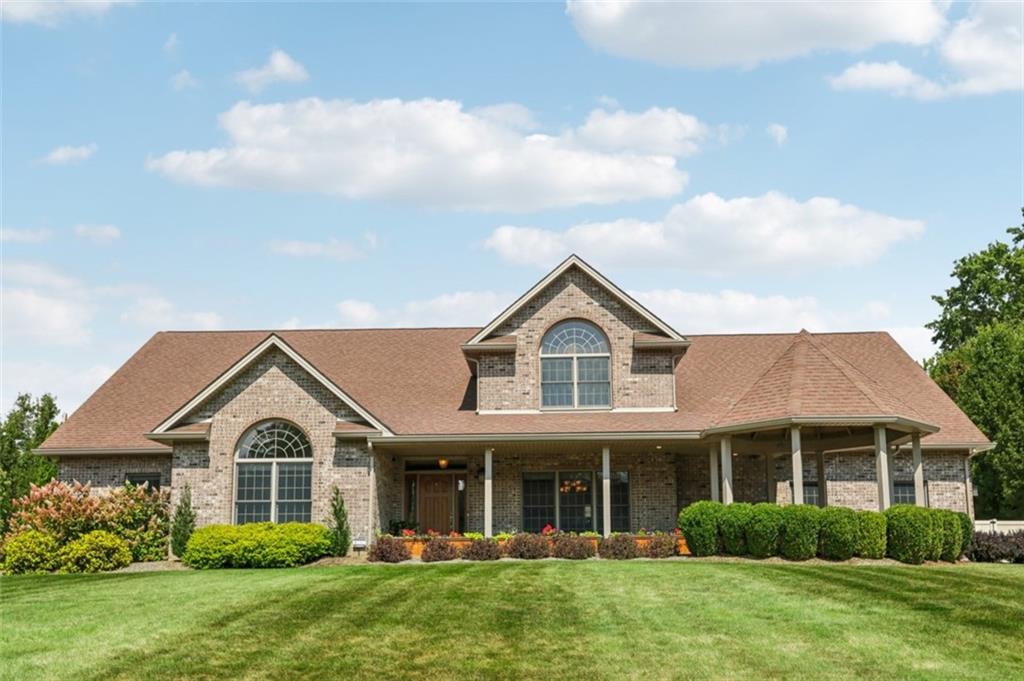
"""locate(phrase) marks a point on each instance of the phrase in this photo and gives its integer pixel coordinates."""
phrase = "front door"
(435, 503)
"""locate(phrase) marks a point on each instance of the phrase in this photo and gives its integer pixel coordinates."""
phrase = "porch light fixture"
(442, 463)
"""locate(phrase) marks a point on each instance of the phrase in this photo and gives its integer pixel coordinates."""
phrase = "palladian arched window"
(273, 474)
(574, 367)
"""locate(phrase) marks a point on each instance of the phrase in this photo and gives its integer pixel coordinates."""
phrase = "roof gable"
(570, 262)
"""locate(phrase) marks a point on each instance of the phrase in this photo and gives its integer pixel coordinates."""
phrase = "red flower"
(432, 533)
(548, 530)
(454, 533)
(408, 533)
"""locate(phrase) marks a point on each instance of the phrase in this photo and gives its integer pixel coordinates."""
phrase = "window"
(572, 501)
(140, 479)
(274, 475)
(574, 367)
(811, 496)
(903, 493)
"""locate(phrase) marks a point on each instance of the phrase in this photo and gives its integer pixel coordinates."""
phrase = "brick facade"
(106, 472)
(638, 379)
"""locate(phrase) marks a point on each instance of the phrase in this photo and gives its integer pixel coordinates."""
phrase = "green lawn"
(597, 619)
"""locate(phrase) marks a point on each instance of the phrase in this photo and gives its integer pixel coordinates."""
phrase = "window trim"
(904, 484)
(575, 369)
(240, 461)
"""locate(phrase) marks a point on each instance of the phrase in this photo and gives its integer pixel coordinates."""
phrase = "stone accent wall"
(638, 379)
(275, 387)
(947, 481)
(106, 472)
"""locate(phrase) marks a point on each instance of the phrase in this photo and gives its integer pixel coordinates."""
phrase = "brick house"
(576, 406)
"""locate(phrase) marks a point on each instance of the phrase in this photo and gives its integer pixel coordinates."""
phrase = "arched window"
(273, 474)
(574, 367)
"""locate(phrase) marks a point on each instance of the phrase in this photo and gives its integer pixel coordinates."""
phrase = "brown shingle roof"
(417, 382)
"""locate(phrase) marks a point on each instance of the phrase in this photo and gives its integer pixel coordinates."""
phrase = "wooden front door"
(435, 503)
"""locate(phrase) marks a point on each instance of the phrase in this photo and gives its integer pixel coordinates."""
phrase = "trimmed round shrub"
(482, 549)
(966, 531)
(952, 535)
(30, 551)
(800, 524)
(732, 525)
(935, 537)
(618, 547)
(439, 549)
(256, 545)
(660, 546)
(388, 549)
(572, 547)
(908, 533)
(97, 551)
(764, 530)
(837, 538)
(699, 525)
(872, 528)
(528, 546)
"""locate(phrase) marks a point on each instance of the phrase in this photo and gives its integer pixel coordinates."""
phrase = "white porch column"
(915, 443)
(606, 490)
(488, 492)
(713, 461)
(882, 468)
(798, 465)
(726, 450)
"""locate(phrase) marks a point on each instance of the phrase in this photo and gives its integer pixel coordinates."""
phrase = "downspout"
(372, 478)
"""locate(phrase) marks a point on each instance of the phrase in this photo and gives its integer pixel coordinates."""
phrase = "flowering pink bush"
(66, 512)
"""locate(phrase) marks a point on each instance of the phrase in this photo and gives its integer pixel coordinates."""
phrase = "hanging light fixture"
(442, 463)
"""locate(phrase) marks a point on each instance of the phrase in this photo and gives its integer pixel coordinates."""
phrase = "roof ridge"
(771, 365)
(798, 376)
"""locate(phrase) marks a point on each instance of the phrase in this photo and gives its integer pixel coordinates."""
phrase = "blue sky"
(739, 168)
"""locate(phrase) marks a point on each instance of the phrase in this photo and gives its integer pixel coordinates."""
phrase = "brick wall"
(106, 472)
(639, 379)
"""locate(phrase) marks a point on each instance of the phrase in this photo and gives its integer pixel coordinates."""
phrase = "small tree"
(184, 523)
(341, 535)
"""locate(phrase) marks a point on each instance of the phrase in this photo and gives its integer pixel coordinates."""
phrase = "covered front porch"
(605, 485)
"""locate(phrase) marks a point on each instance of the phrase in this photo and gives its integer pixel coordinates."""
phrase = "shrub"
(97, 551)
(482, 549)
(838, 536)
(935, 537)
(990, 547)
(341, 534)
(136, 514)
(184, 523)
(872, 530)
(388, 549)
(572, 547)
(439, 549)
(660, 546)
(256, 545)
(764, 530)
(800, 525)
(952, 535)
(732, 524)
(909, 533)
(528, 546)
(619, 547)
(966, 531)
(30, 551)
(699, 525)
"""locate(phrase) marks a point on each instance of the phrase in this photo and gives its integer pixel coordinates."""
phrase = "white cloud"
(916, 340)
(70, 385)
(463, 308)
(50, 13)
(335, 249)
(24, 236)
(155, 313)
(171, 44)
(183, 80)
(66, 155)
(40, 304)
(983, 53)
(38, 275)
(731, 311)
(609, 102)
(510, 114)
(434, 153)
(99, 234)
(772, 232)
(778, 132)
(708, 35)
(280, 68)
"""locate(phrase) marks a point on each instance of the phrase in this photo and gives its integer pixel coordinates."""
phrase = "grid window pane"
(811, 496)
(903, 493)
(556, 394)
(594, 394)
(620, 502)
(593, 368)
(538, 501)
(574, 337)
(575, 501)
(252, 496)
(552, 369)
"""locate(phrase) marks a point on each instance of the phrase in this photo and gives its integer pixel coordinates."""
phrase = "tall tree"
(989, 288)
(25, 427)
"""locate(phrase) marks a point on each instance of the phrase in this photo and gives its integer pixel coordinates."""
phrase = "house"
(575, 407)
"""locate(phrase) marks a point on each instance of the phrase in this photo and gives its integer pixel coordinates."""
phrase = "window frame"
(240, 461)
(145, 479)
(574, 358)
(904, 485)
(596, 501)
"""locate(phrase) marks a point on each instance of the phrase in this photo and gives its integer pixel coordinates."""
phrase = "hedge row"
(910, 534)
(256, 545)
(33, 551)
(526, 546)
